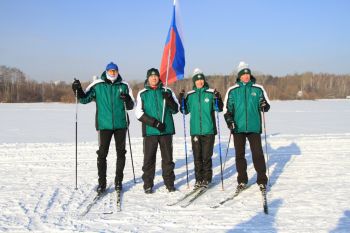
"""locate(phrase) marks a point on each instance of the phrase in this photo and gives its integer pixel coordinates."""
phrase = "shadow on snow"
(260, 222)
(343, 223)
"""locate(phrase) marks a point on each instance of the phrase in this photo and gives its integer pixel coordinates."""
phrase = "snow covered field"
(309, 163)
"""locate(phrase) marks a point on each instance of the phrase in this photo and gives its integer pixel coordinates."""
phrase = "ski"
(94, 201)
(119, 204)
(264, 199)
(231, 197)
(187, 195)
(201, 191)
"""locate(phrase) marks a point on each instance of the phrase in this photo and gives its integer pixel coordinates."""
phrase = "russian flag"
(173, 60)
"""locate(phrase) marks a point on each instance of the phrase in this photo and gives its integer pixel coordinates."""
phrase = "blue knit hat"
(111, 66)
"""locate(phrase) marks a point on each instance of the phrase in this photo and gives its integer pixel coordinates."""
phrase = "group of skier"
(155, 106)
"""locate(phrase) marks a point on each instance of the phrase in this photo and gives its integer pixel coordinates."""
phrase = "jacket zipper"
(156, 99)
(200, 111)
(112, 102)
(246, 107)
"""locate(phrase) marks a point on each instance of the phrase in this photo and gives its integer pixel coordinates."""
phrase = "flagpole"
(167, 75)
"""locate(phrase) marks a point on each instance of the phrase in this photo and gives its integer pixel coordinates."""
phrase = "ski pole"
(228, 146)
(127, 128)
(76, 139)
(184, 121)
(267, 155)
(218, 122)
(132, 160)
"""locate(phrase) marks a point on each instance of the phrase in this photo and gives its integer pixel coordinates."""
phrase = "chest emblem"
(206, 100)
(253, 94)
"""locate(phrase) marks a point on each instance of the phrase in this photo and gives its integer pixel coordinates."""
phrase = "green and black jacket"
(242, 106)
(149, 108)
(110, 108)
(202, 104)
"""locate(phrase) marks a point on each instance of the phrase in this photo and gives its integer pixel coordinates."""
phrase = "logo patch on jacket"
(253, 94)
(206, 100)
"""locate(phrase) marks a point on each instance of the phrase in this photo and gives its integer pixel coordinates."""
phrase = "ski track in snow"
(310, 180)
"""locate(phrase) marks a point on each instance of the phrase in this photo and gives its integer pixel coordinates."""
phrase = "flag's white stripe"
(178, 20)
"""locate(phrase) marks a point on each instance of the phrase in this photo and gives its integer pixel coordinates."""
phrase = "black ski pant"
(257, 154)
(105, 137)
(150, 146)
(202, 147)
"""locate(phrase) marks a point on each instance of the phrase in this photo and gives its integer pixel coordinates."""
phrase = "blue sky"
(59, 40)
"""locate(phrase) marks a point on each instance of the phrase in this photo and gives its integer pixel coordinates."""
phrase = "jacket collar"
(204, 88)
(104, 78)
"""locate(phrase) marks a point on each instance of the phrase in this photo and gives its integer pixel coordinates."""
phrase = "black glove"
(231, 127)
(182, 101)
(77, 89)
(229, 121)
(125, 97)
(264, 106)
(76, 85)
(217, 94)
(218, 101)
(181, 96)
(167, 96)
(159, 125)
(169, 100)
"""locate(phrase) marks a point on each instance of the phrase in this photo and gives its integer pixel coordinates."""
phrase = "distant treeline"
(16, 88)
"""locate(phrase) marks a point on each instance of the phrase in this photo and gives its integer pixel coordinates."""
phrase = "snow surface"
(309, 165)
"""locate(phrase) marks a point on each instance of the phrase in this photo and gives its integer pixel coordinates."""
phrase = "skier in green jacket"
(243, 103)
(113, 97)
(202, 102)
(155, 130)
